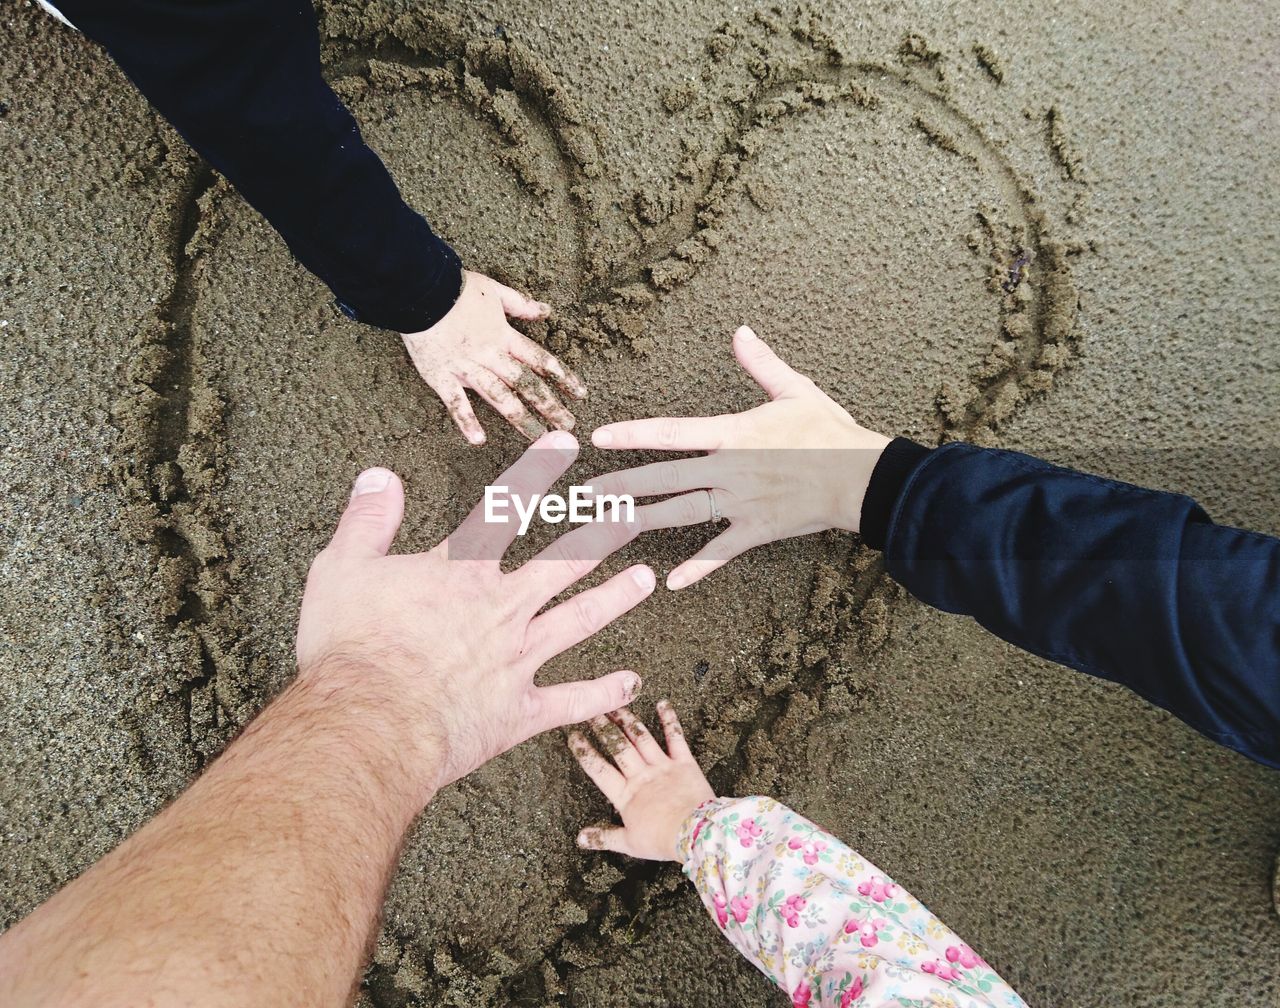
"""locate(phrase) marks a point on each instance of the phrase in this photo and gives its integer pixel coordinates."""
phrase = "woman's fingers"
(731, 543)
(548, 365)
(675, 512)
(495, 392)
(603, 774)
(519, 377)
(639, 735)
(677, 747)
(766, 367)
(455, 400)
(610, 838)
(617, 746)
(659, 478)
(665, 433)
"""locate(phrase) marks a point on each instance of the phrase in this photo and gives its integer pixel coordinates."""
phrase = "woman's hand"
(653, 791)
(474, 347)
(795, 465)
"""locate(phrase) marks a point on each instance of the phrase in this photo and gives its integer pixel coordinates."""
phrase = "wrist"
(360, 712)
(863, 449)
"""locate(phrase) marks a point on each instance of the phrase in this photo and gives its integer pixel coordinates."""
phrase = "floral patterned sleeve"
(820, 921)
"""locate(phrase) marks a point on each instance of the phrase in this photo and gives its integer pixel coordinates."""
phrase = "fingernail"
(562, 441)
(544, 308)
(602, 438)
(631, 687)
(582, 839)
(677, 580)
(371, 481)
(644, 577)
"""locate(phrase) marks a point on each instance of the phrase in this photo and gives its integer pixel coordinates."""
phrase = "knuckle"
(668, 432)
(689, 509)
(587, 615)
(668, 476)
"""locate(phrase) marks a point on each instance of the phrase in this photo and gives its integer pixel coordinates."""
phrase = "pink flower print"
(740, 906)
(852, 994)
(812, 849)
(941, 970)
(878, 889)
(965, 956)
(748, 830)
(866, 930)
(802, 995)
(790, 910)
(722, 915)
(696, 830)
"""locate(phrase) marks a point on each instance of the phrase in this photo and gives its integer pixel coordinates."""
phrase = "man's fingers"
(640, 736)
(657, 479)
(570, 703)
(677, 747)
(572, 622)
(766, 367)
(733, 542)
(664, 433)
(495, 392)
(543, 462)
(546, 363)
(573, 556)
(603, 774)
(455, 400)
(617, 745)
(610, 838)
(519, 377)
(372, 517)
(517, 305)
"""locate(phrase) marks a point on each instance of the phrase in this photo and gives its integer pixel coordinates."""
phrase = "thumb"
(569, 703)
(612, 838)
(766, 367)
(372, 517)
(516, 305)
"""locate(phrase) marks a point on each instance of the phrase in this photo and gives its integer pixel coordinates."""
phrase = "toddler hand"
(474, 347)
(653, 791)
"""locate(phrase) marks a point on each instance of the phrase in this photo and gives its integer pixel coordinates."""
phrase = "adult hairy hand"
(439, 649)
(797, 464)
(474, 347)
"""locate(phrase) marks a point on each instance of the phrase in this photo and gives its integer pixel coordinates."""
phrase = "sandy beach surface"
(182, 412)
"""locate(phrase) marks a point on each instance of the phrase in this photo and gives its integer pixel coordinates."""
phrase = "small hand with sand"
(655, 792)
(474, 347)
(437, 651)
(794, 465)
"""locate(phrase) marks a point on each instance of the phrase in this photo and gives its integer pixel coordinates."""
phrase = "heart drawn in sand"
(625, 257)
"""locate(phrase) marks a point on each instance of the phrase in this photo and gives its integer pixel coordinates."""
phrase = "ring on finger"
(715, 511)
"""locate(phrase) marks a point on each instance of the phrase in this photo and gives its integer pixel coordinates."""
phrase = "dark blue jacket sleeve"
(1127, 584)
(240, 80)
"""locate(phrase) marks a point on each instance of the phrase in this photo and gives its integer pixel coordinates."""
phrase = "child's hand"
(473, 347)
(653, 791)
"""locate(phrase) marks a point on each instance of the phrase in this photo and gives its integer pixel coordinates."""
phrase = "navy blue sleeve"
(240, 80)
(1127, 584)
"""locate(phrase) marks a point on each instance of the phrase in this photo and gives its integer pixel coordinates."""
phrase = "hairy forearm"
(259, 885)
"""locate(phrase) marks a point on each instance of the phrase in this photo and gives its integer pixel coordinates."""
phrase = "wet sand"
(183, 411)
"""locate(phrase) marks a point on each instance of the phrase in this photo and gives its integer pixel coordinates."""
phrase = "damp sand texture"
(1051, 233)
